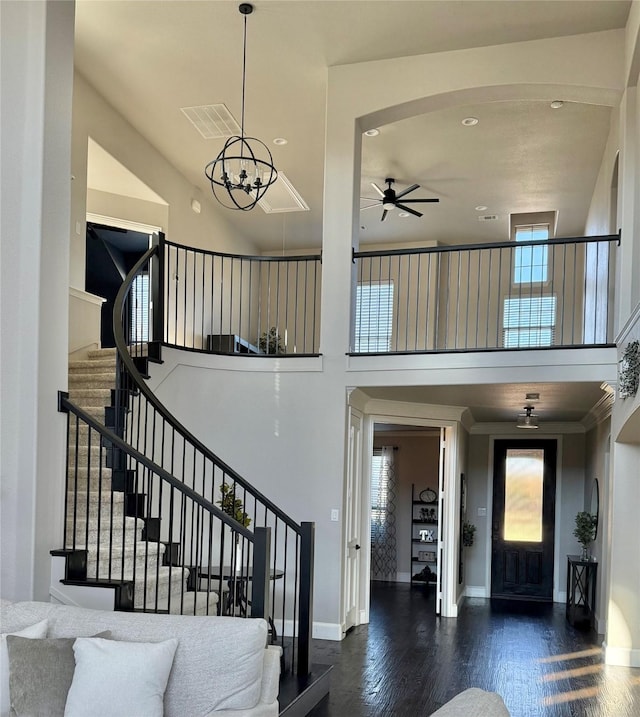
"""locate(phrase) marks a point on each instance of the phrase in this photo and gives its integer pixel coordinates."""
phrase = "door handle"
(357, 547)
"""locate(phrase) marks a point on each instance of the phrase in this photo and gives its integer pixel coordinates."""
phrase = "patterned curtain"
(383, 519)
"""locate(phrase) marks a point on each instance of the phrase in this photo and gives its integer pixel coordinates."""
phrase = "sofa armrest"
(474, 702)
(271, 674)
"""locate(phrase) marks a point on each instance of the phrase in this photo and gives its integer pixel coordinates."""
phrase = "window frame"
(533, 226)
(358, 337)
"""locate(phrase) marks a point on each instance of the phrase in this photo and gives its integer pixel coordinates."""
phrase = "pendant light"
(243, 171)
(526, 419)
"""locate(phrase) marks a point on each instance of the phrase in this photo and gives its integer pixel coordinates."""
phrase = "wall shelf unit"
(424, 535)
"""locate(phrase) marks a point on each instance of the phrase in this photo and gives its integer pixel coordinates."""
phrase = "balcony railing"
(485, 297)
(232, 303)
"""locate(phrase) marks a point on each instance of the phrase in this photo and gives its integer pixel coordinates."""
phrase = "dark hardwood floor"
(409, 662)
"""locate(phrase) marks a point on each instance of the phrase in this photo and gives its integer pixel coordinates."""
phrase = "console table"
(581, 591)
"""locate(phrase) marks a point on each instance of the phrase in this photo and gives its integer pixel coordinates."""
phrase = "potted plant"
(468, 533)
(585, 531)
(233, 506)
(269, 342)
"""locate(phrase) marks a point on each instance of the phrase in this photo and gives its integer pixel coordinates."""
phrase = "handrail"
(141, 384)
(445, 248)
(65, 404)
(254, 257)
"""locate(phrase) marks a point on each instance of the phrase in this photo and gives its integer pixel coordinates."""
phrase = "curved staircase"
(112, 538)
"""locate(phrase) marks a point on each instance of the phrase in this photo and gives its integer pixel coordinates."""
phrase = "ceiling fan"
(390, 200)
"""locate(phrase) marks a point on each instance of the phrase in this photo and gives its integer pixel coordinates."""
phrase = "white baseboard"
(327, 631)
(560, 596)
(476, 591)
(621, 656)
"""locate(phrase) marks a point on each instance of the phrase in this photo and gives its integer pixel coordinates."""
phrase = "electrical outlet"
(334, 515)
(482, 512)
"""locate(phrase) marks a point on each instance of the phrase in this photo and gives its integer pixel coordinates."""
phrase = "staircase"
(110, 540)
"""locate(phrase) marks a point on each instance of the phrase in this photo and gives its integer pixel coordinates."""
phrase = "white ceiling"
(151, 58)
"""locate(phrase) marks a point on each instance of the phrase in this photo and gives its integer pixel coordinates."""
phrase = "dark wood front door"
(523, 519)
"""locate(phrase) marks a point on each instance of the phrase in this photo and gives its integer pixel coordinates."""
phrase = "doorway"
(523, 524)
(111, 252)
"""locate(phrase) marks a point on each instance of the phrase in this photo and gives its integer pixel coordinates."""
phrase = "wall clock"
(428, 496)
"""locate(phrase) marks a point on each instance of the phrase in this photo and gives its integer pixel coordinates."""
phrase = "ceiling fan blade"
(370, 206)
(403, 208)
(377, 188)
(412, 188)
(384, 214)
(434, 199)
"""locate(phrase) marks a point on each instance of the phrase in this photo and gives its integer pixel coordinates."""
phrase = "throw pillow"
(33, 631)
(119, 678)
(40, 674)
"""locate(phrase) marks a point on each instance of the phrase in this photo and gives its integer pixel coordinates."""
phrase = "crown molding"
(509, 428)
(602, 409)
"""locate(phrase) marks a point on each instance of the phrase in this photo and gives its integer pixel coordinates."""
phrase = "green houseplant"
(233, 506)
(269, 342)
(585, 531)
(468, 533)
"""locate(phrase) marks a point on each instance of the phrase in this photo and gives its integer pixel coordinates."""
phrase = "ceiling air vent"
(488, 218)
(212, 121)
(282, 197)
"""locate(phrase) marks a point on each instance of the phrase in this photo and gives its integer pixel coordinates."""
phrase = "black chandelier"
(243, 171)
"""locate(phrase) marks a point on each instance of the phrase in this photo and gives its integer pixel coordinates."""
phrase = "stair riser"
(176, 586)
(102, 381)
(97, 365)
(150, 564)
(106, 513)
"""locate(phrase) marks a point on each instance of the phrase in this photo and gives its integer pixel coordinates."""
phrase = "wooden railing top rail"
(123, 352)
(493, 245)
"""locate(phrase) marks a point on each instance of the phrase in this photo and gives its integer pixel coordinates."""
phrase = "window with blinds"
(378, 489)
(374, 317)
(529, 321)
(531, 263)
(139, 298)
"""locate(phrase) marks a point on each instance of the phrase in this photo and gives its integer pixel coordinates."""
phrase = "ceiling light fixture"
(470, 121)
(372, 132)
(243, 171)
(280, 141)
(556, 104)
(481, 208)
(527, 419)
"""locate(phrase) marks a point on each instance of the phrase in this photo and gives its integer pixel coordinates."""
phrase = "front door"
(524, 487)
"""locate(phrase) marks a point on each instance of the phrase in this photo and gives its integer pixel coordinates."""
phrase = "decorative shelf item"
(424, 535)
(428, 496)
(629, 370)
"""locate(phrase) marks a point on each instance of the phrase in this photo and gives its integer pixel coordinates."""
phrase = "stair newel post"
(157, 270)
(305, 608)
(260, 581)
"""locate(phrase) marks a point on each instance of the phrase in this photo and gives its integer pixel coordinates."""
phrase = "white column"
(37, 80)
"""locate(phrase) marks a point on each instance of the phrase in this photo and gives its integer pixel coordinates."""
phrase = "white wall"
(93, 117)
(37, 37)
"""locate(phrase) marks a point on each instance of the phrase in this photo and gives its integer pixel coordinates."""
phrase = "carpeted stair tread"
(184, 604)
(105, 365)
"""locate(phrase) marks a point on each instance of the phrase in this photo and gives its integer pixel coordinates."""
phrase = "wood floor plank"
(407, 662)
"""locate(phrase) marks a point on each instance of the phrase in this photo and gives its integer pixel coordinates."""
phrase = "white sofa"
(474, 702)
(222, 666)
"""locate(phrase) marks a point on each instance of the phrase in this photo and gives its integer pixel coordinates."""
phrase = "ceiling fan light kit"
(390, 199)
(244, 169)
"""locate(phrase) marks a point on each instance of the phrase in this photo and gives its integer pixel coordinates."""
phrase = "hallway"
(407, 662)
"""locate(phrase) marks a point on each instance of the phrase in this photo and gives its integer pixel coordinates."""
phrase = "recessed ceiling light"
(372, 132)
(470, 121)
(556, 104)
(280, 140)
(481, 208)
(403, 214)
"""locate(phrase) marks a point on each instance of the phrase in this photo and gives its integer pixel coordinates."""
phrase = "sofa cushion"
(218, 662)
(41, 671)
(32, 631)
(474, 702)
(119, 678)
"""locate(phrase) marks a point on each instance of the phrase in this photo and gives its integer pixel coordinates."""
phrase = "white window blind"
(531, 263)
(378, 488)
(374, 317)
(529, 321)
(140, 309)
